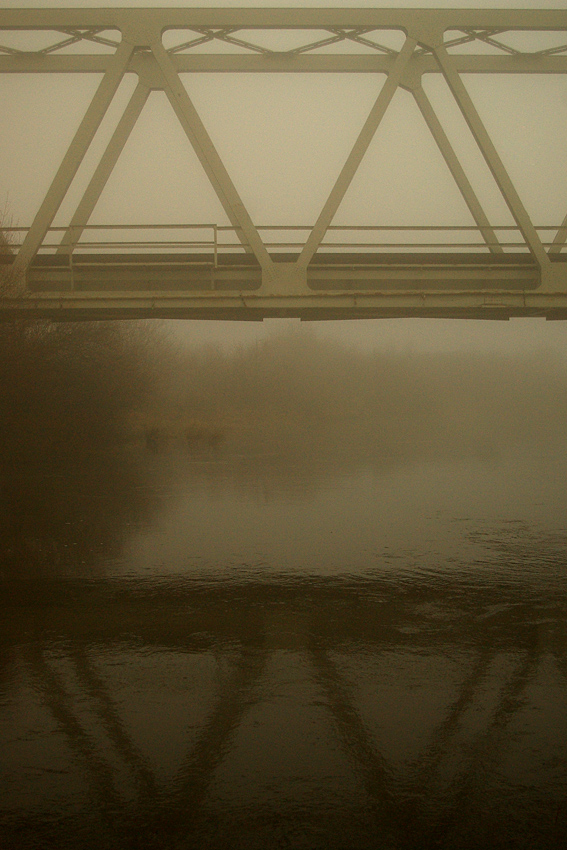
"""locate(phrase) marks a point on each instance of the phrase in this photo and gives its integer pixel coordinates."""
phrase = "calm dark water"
(272, 646)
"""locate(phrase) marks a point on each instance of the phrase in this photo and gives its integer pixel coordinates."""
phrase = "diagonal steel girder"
(74, 156)
(209, 158)
(357, 153)
(456, 169)
(491, 155)
(104, 169)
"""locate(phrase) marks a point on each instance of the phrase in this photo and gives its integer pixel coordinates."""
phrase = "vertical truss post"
(456, 169)
(357, 153)
(209, 158)
(104, 169)
(491, 156)
(74, 156)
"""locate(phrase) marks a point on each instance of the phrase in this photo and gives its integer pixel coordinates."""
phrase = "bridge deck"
(241, 272)
(339, 285)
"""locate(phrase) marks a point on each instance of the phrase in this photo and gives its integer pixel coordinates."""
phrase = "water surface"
(285, 644)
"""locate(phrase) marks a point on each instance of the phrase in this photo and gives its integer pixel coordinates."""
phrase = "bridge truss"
(57, 271)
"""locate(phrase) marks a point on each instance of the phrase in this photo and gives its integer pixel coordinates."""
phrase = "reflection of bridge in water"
(321, 271)
(467, 663)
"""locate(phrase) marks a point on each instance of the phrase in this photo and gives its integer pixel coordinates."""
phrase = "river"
(285, 644)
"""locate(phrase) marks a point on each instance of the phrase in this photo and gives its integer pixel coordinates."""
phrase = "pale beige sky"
(283, 139)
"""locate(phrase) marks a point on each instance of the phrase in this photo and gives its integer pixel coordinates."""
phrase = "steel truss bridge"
(315, 271)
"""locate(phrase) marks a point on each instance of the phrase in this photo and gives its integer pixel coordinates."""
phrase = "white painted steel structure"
(198, 276)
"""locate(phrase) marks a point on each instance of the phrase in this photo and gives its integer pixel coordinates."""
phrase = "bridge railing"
(414, 237)
(206, 242)
(120, 239)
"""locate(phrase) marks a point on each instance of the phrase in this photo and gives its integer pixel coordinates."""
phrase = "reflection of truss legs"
(482, 753)
(417, 805)
(155, 805)
(100, 701)
(238, 693)
(61, 705)
(402, 805)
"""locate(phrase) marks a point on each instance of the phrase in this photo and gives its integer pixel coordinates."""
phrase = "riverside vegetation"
(67, 386)
(299, 394)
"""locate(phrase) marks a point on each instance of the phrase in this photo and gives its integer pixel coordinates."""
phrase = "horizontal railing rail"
(72, 242)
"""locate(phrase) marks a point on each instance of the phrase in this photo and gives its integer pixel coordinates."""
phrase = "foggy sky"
(273, 132)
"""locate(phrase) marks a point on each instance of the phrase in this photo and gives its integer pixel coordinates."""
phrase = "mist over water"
(313, 597)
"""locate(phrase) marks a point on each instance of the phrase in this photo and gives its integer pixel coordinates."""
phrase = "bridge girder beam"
(301, 63)
(249, 306)
(161, 19)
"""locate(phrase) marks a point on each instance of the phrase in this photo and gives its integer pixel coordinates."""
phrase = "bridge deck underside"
(339, 285)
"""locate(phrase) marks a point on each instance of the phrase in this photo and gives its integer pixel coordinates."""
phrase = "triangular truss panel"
(403, 179)
(158, 172)
(248, 257)
(280, 132)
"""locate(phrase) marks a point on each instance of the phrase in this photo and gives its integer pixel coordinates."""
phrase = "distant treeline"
(299, 384)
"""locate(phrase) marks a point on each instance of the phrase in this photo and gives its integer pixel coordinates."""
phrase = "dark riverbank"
(65, 388)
